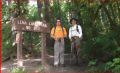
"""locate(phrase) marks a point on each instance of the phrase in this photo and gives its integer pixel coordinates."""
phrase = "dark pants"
(75, 49)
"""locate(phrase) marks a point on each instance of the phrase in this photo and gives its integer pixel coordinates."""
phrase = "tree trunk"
(43, 51)
(46, 17)
(39, 5)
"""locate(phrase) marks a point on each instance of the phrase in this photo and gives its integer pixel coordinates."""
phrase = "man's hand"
(72, 39)
(56, 39)
(76, 37)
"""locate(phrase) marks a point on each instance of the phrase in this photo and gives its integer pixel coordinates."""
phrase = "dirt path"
(34, 65)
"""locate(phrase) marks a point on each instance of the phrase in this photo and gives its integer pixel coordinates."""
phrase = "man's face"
(58, 23)
(73, 22)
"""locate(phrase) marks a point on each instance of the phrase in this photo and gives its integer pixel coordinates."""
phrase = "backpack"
(77, 29)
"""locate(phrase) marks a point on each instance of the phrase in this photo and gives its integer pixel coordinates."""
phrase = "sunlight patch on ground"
(25, 60)
(32, 60)
(3, 68)
(50, 56)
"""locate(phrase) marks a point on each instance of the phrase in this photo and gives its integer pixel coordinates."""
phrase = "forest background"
(99, 19)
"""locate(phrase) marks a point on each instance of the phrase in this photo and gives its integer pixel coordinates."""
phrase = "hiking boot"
(55, 65)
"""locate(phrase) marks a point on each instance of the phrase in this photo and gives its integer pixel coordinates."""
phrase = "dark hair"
(58, 19)
(73, 19)
(56, 25)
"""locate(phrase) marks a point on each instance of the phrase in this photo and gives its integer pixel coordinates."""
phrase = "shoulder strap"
(54, 30)
(63, 30)
(77, 29)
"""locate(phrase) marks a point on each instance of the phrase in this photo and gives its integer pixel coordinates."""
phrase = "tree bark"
(46, 17)
(39, 5)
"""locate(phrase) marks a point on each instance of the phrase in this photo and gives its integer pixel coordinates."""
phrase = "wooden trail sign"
(20, 24)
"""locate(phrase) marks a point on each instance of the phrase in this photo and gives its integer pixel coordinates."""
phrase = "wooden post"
(43, 51)
(19, 48)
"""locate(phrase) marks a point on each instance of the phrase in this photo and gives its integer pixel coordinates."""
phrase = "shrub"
(18, 70)
(113, 65)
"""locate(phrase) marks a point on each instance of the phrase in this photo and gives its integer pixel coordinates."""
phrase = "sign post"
(19, 48)
(22, 25)
(43, 55)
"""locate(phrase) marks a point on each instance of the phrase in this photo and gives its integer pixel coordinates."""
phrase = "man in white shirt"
(75, 34)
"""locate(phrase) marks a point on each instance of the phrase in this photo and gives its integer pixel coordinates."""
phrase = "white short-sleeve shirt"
(73, 31)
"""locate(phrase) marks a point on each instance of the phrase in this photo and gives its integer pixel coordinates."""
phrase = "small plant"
(113, 65)
(18, 70)
(92, 66)
(92, 62)
(41, 69)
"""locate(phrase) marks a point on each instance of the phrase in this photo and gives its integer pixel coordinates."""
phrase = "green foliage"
(6, 33)
(21, 9)
(92, 63)
(31, 38)
(33, 13)
(5, 13)
(41, 69)
(18, 70)
(56, 8)
(113, 65)
(6, 39)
